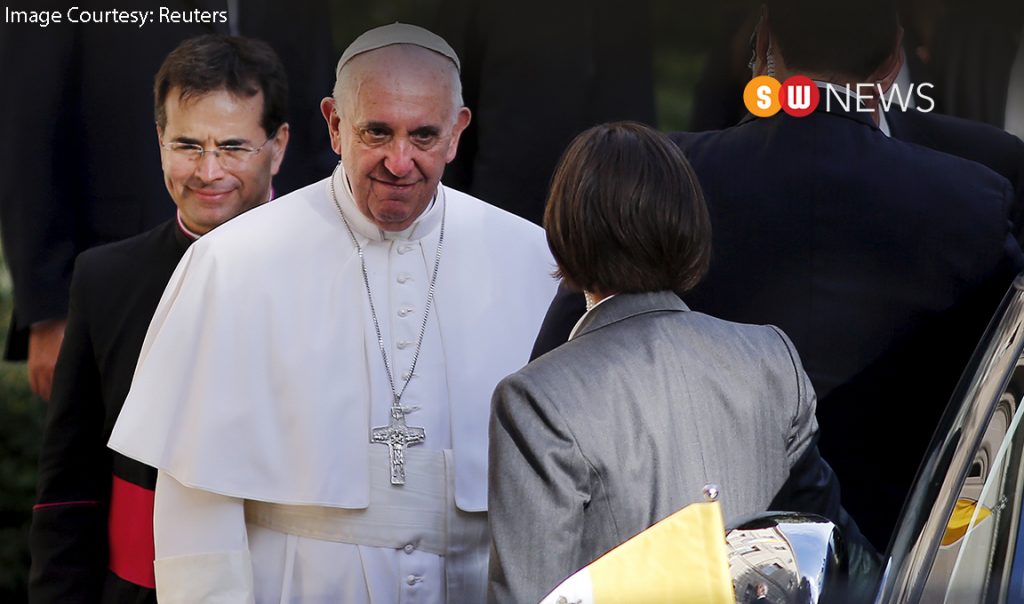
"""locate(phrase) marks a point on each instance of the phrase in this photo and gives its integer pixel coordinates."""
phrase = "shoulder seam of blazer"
(794, 421)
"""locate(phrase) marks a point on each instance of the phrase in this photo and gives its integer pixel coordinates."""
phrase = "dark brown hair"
(242, 66)
(626, 214)
(845, 38)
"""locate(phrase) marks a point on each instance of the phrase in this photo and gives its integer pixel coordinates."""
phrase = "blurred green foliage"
(21, 420)
(675, 72)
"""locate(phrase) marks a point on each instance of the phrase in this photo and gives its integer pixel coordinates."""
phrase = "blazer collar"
(821, 110)
(624, 306)
(897, 125)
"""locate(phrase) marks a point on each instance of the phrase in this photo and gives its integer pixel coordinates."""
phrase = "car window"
(980, 557)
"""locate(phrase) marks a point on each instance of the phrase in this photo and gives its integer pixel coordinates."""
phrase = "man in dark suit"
(220, 104)
(882, 260)
(77, 159)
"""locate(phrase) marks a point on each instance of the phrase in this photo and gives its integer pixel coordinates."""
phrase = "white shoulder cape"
(252, 378)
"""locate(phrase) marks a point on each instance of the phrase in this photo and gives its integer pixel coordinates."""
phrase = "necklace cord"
(373, 311)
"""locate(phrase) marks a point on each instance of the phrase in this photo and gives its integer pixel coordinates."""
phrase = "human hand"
(44, 343)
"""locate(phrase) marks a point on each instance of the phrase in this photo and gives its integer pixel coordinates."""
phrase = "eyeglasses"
(229, 156)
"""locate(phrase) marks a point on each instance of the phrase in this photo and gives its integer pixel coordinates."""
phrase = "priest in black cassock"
(220, 104)
(77, 159)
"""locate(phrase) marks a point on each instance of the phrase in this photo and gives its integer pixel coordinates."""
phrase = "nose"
(208, 167)
(398, 160)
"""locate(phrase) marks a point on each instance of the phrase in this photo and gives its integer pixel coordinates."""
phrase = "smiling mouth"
(210, 195)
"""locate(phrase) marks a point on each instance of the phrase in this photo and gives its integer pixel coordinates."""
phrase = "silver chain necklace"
(396, 435)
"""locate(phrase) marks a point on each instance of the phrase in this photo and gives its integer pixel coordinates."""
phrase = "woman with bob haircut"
(648, 401)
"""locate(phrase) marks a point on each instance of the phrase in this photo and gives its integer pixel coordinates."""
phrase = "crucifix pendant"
(397, 436)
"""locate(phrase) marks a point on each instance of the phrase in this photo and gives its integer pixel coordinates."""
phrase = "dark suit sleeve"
(812, 486)
(565, 310)
(992, 147)
(1015, 174)
(36, 217)
(536, 495)
(68, 538)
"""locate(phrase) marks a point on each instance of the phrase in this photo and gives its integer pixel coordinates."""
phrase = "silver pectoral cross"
(397, 436)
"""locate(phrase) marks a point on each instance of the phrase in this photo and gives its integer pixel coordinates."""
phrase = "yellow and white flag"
(680, 560)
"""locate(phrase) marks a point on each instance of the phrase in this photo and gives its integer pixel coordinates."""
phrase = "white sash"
(420, 514)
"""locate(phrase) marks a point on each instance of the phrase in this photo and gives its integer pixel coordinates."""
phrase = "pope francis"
(315, 385)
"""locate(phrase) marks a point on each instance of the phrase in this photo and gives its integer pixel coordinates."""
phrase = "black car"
(960, 539)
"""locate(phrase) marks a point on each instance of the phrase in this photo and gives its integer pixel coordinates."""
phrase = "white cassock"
(261, 377)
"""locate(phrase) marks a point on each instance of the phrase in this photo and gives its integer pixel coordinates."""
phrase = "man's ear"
(461, 121)
(159, 134)
(329, 108)
(762, 37)
(280, 144)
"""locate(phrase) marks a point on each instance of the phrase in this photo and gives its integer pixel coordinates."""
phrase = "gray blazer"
(623, 425)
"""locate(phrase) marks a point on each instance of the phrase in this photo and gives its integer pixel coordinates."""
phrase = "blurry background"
(21, 421)
(682, 34)
(699, 51)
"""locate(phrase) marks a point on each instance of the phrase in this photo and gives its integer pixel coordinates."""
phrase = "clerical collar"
(426, 223)
(185, 230)
(192, 236)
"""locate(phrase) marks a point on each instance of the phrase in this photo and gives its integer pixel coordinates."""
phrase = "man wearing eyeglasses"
(220, 104)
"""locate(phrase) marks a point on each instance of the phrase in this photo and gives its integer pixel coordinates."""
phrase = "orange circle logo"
(761, 96)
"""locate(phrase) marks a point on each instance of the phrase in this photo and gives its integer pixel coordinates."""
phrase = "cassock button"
(404, 312)
(409, 548)
(406, 375)
(411, 579)
(404, 278)
(404, 249)
(403, 344)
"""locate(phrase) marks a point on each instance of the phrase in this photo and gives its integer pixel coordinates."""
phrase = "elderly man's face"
(395, 130)
(211, 190)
